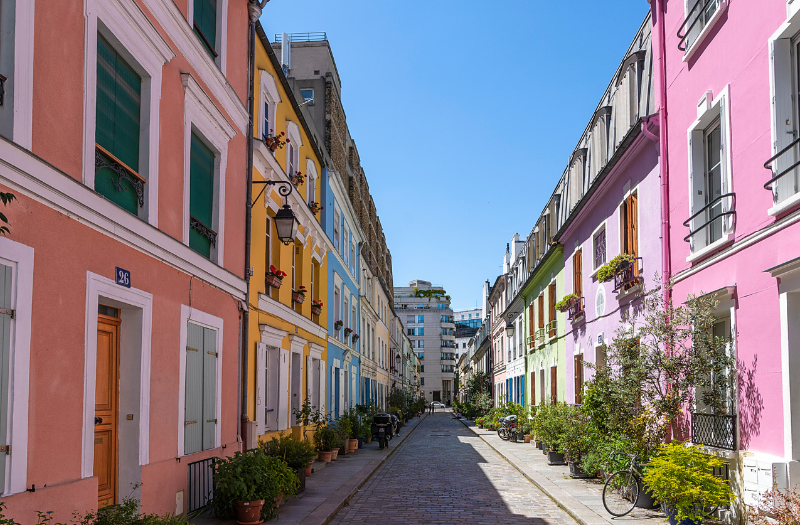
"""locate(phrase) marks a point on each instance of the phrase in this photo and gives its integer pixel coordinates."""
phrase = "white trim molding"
(221, 43)
(281, 311)
(214, 323)
(201, 114)
(23, 72)
(20, 257)
(98, 286)
(133, 36)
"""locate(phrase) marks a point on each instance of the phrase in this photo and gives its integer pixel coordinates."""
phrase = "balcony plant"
(348, 331)
(299, 295)
(356, 337)
(325, 441)
(275, 277)
(315, 207)
(316, 307)
(613, 267)
(249, 484)
(681, 478)
(338, 324)
(274, 142)
(566, 302)
(297, 179)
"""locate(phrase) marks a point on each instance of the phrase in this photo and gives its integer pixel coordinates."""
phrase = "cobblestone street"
(443, 473)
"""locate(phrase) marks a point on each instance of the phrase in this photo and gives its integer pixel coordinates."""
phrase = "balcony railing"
(780, 159)
(628, 276)
(714, 216)
(714, 431)
(303, 37)
(701, 13)
(551, 328)
(576, 310)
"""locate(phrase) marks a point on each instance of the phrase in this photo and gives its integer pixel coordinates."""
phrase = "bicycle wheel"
(620, 493)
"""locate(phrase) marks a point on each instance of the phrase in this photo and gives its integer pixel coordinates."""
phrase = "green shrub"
(609, 270)
(325, 439)
(598, 458)
(681, 477)
(580, 435)
(295, 452)
(563, 304)
(550, 425)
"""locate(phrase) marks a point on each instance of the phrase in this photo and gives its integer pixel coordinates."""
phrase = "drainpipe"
(254, 8)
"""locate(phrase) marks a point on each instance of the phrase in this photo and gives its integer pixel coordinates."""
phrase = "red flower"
(272, 268)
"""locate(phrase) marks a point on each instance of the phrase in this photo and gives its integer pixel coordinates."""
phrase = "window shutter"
(633, 225)
(323, 394)
(6, 284)
(201, 193)
(578, 379)
(531, 330)
(272, 388)
(117, 127)
(283, 390)
(193, 404)
(577, 273)
(261, 386)
(533, 388)
(541, 311)
(551, 296)
(205, 16)
(342, 387)
(309, 378)
(727, 221)
(209, 388)
(522, 390)
(783, 120)
(553, 385)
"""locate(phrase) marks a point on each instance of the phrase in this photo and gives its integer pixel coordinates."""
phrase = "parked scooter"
(508, 427)
(382, 428)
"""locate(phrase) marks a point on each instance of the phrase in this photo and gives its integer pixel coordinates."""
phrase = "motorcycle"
(508, 427)
(382, 428)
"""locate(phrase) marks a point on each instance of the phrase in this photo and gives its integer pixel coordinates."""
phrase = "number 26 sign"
(123, 277)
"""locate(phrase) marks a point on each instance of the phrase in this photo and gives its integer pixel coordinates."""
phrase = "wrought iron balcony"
(576, 310)
(781, 158)
(712, 215)
(701, 13)
(104, 159)
(714, 431)
(627, 276)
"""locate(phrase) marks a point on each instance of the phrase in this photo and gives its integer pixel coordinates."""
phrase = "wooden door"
(578, 379)
(106, 409)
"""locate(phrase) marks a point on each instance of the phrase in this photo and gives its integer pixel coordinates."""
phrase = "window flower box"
(337, 325)
(274, 142)
(356, 337)
(348, 331)
(316, 307)
(315, 207)
(274, 277)
(567, 302)
(614, 267)
(297, 179)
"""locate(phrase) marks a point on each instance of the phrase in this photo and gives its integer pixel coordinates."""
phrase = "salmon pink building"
(122, 278)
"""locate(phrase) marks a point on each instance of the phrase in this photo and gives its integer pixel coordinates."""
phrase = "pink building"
(122, 279)
(497, 305)
(729, 71)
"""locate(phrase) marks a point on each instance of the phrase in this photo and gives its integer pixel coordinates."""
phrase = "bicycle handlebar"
(615, 454)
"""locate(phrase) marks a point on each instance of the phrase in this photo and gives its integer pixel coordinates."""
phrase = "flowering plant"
(297, 179)
(355, 337)
(315, 207)
(338, 324)
(302, 290)
(274, 142)
(317, 302)
(274, 272)
(348, 331)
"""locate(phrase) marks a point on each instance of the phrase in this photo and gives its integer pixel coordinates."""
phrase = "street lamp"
(510, 330)
(285, 220)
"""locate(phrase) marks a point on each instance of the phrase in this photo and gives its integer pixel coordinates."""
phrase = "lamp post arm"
(284, 188)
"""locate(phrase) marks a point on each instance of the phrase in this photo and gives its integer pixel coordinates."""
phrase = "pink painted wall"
(639, 169)
(736, 55)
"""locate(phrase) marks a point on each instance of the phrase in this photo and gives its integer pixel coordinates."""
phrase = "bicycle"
(621, 490)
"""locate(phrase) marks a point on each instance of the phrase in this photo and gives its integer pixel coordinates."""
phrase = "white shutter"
(193, 401)
(323, 394)
(783, 119)
(723, 156)
(283, 390)
(261, 386)
(310, 379)
(273, 364)
(696, 186)
(209, 388)
(342, 386)
(6, 285)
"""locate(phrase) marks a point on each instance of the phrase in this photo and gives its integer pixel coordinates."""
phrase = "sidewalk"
(581, 498)
(331, 485)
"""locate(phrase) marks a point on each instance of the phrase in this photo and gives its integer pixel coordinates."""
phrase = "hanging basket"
(274, 281)
(298, 297)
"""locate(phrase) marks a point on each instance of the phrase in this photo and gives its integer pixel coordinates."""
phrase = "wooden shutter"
(577, 273)
(531, 328)
(578, 379)
(209, 388)
(118, 108)
(541, 386)
(201, 193)
(261, 386)
(205, 20)
(193, 404)
(633, 225)
(533, 388)
(6, 284)
(551, 297)
(541, 311)
(553, 385)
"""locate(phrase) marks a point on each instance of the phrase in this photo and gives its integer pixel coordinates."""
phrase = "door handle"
(98, 420)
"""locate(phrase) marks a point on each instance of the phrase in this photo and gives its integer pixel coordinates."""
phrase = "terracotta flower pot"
(334, 454)
(325, 456)
(274, 281)
(309, 467)
(352, 445)
(527, 438)
(249, 512)
(278, 500)
(316, 310)
(298, 297)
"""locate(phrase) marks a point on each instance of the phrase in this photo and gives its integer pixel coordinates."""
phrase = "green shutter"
(205, 17)
(118, 109)
(193, 412)
(201, 193)
(209, 388)
(5, 351)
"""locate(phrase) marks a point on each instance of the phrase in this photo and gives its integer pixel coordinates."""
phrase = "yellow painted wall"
(282, 255)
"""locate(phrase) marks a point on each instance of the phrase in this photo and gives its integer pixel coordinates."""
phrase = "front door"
(106, 405)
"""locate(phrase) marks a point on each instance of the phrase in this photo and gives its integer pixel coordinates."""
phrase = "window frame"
(721, 7)
(595, 233)
(271, 97)
(221, 40)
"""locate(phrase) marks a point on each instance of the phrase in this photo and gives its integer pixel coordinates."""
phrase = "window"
(201, 198)
(629, 234)
(599, 247)
(411, 331)
(577, 273)
(352, 255)
(420, 331)
(410, 319)
(785, 174)
(308, 96)
(422, 381)
(420, 344)
(117, 131)
(291, 159)
(541, 311)
(422, 368)
(699, 14)
(553, 385)
(266, 127)
(711, 200)
(421, 319)
(200, 410)
(336, 228)
(336, 310)
(421, 356)
(205, 24)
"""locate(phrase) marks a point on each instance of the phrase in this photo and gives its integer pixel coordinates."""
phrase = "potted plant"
(275, 277)
(613, 267)
(316, 307)
(324, 441)
(247, 485)
(297, 179)
(551, 423)
(348, 331)
(680, 477)
(566, 302)
(355, 337)
(294, 451)
(337, 325)
(479, 422)
(299, 295)
(315, 207)
(274, 142)
(579, 438)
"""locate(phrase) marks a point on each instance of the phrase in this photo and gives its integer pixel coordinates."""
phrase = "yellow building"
(287, 338)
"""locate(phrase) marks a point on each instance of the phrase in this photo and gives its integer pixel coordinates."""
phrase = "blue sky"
(465, 114)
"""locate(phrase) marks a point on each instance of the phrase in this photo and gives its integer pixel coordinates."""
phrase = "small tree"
(5, 198)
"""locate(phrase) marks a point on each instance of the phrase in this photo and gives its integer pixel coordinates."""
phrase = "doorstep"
(580, 498)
